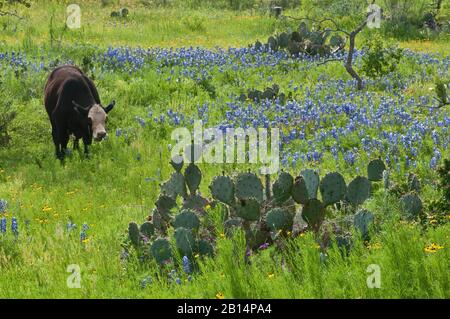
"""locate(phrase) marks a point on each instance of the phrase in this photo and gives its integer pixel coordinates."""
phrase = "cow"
(74, 108)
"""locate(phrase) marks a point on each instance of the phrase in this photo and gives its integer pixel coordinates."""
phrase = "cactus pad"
(193, 177)
(282, 187)
(177, 163)
(187, 219)
(312, 182)
(165, 203)
(222, 189)
(362, 221)
(185, 241)
(332, 188)
(313, 212)
(411, 205)
(147, 229)
(175, 186)
(248, 209)
(205, 248)
(161, 250)
(299, 190)
(133, 233)
(248, 185)
(414, 183)
(279, 219)
(375, 170)
(358, 191)
(196, 203)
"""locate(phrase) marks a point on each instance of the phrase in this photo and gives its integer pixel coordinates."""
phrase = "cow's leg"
(64, 141)
(76, 144)
(86, 143)
(56, 142)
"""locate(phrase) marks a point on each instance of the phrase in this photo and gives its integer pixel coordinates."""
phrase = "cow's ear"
(79, 109)
(110, 106)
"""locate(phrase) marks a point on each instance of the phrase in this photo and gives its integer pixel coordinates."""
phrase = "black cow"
(74, 107)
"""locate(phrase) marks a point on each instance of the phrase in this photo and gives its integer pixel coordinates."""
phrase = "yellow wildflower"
(433, 248)
(220, 295)
(270, 275)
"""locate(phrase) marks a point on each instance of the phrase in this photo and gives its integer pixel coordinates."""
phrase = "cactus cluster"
(304, 40)
(410, 203)
(265, 213)
(269, 93)
(172, 228)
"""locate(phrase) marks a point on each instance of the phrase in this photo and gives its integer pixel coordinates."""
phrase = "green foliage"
(7, 115)
(379, 59)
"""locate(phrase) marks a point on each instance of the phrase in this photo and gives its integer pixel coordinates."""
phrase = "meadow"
(166, 68)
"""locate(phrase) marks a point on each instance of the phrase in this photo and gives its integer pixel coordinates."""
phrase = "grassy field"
(161, 89)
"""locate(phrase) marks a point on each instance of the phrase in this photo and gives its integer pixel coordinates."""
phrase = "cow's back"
(56, 82)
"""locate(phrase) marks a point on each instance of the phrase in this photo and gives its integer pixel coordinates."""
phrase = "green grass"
(109, 190)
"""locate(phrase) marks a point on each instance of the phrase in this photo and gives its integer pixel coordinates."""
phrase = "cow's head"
(95, 117)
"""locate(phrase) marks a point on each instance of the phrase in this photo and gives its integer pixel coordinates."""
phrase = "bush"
(378, 59)
(6, 117)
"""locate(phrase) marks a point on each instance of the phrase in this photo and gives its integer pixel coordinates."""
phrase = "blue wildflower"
(186, 265)
(14, 226)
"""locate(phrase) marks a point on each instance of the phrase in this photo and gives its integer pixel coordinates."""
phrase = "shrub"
(379, 59)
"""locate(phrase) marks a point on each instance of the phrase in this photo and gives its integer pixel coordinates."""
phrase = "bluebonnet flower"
(186, 265)
(3, 206)
(3, 225)
(14, 226)
(70, 226)
(178, 281)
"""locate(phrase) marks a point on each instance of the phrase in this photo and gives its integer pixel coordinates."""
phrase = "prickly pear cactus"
(197, 203)
(147, 229)
(283, 40)
(279, 219)
(299, 191)
(313, 212)
(193, 177)
(282, 187)
(256, 237)
(161, 250)
(248, 209)
(248, 185)
(358, 191)
(414, 183)
(205, 248)
(185, 241)
(375, 170)
(177, 163)
(411, 205)
(165, 203)
(187, 219)
(332, 188)
(312, 182)
(362, 221)
(133, 233)
(175, 186)
(222, 189)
